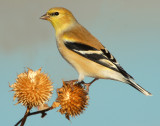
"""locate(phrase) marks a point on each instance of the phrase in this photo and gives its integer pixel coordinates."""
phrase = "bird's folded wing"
(102, 57)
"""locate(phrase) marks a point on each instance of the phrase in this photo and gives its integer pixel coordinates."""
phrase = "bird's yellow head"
(60, 18)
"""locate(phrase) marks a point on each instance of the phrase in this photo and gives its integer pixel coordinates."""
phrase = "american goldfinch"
(84, 52)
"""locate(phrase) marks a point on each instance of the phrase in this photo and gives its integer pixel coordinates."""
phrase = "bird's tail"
(139, 88)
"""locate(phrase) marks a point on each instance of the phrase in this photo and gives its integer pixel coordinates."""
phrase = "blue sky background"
(129, 29)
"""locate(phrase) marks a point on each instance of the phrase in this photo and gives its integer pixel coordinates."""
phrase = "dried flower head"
(32, 88)
(73, 99)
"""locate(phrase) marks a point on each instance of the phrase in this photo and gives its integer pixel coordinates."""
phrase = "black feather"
(113, 60)
(109, 55)
(76, 47)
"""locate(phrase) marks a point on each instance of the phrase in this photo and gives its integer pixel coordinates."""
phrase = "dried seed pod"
(32, 88)
(73, 99)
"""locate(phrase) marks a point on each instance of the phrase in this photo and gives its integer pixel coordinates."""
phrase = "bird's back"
(81, 35)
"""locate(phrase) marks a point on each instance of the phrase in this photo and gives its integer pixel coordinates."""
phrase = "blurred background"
(129, 29)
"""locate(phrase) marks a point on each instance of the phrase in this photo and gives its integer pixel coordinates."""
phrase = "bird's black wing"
(102, 57)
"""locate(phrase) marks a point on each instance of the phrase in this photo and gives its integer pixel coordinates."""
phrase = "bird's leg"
(89, 84)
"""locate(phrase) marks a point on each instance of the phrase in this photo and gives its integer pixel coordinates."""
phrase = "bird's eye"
(54, 14)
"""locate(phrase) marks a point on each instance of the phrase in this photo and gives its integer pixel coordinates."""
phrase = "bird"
(84, 51)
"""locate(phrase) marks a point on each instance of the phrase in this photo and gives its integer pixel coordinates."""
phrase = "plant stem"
(25, 116)
(43, 112)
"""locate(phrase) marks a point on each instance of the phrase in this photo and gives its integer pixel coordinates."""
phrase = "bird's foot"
(86, 85)
(89, 84)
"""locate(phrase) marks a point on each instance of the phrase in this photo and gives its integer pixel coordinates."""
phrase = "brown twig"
(25, 116)
(43, 112)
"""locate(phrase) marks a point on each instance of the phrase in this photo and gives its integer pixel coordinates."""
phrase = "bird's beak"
(44, 17)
